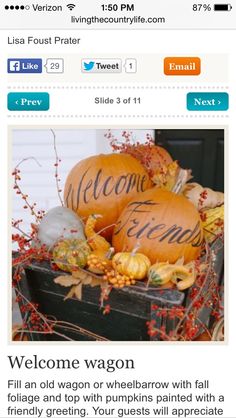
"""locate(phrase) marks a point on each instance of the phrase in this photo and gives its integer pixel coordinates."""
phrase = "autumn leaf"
(87, 278)
(71, 293)
(172, 177)
(78, 291)
(75, 291)
(66, 280)
(167, 178)
(79, 278)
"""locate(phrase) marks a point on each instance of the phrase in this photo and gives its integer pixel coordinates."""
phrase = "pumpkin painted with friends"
(104, 184)
(165, 225)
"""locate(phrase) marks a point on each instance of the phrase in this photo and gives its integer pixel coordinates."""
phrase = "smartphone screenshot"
(118, 209)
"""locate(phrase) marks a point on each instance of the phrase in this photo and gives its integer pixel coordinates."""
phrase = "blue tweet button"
(101, 65)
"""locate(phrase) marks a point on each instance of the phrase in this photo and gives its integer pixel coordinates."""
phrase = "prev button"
(207, 102)
(28, 101)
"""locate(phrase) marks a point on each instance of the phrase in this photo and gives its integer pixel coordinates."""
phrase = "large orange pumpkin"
(165, 225)
(104, 184)
(153, 157)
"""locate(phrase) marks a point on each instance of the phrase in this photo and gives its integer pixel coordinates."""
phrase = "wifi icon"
(71, 6)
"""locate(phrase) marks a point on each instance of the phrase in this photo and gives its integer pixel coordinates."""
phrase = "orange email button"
(182, 66)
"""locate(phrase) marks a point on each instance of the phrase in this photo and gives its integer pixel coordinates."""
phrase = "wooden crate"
(131, 307)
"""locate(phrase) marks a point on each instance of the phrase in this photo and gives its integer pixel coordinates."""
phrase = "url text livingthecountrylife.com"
(89, 20)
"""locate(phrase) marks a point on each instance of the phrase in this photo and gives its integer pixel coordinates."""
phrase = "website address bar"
(91, 20)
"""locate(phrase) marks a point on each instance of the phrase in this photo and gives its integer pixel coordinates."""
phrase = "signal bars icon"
(71, 6)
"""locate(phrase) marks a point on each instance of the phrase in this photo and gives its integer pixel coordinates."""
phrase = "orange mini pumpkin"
(104, 184)
(165, 225)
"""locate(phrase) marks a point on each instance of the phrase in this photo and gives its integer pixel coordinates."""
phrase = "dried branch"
(58, 160)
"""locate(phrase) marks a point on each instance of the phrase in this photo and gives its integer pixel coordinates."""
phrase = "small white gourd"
(60, 223)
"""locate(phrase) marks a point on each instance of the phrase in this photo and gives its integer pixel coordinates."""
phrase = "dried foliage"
(186, 321)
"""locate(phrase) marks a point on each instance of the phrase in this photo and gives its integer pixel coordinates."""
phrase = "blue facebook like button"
(209, 102)
(28, 102)
(24, 66)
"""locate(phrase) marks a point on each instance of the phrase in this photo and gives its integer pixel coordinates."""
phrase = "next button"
(28, 101)
(207, 101)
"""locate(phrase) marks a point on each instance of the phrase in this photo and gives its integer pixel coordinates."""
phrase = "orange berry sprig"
(97, 264)
(38, 214)
(118, 280)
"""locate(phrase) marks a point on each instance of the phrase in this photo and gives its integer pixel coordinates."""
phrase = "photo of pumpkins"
(132, 219)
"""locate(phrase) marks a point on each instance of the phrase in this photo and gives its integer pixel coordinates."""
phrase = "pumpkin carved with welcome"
(166, 226)
(104, 184)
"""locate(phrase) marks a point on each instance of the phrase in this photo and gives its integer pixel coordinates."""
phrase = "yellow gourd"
(183, 281)
(135, 265)
(95, 241)
(160, 274)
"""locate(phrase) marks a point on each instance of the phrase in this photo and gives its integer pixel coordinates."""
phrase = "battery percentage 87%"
(202, 7)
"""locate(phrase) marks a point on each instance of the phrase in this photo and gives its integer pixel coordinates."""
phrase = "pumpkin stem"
(110, 253)
(183, 176)
(96, 216)
(135, 249)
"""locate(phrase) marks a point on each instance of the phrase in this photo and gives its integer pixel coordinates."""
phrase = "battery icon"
(222, 7)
